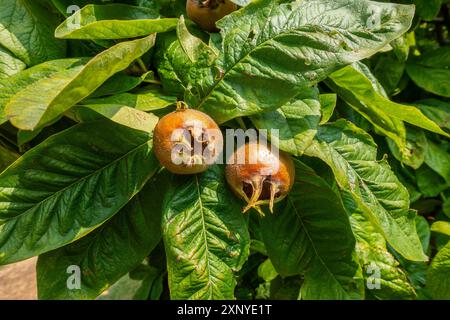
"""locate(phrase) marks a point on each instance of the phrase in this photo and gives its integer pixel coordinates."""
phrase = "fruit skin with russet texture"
(263, 178)
(205, 13)
(189, 131)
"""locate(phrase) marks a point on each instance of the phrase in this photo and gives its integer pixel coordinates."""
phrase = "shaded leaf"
(437, 157)
(6, 157)
(431, 71)
(436, 110)
(429, 182)
(427, 9)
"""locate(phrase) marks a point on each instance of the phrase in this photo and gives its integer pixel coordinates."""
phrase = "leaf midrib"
(208, 266)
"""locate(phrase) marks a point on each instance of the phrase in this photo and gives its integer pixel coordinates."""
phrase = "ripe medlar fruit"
(260, 176)
(187, 141)
(205, 13)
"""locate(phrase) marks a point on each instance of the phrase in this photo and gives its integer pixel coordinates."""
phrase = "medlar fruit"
(187, 141)
(260, 176)
(205, 13)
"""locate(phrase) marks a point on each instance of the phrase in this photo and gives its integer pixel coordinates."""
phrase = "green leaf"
(6, 157)
(12, 85)
(389, 71)
(310, 233)
(147, 100)
(376, 260)
(127, 116)
(423, 230)
(446, 206)
(360, 93)
(242, 3)
(416, 144)
(437, 157)
(64, 6)
(429, 182)
(327, 105)
(431, 71)
(438, 281)
(113, 21)
(118, 83)
(9, 65)
(46, 99)
(127, 288)
(427, 9)
(441, 227)
(357, 89)
(351, 154)
(192, 46)
(43, 202)
(261, 66)
(172, 63)
(436, 110)
(321, 284)
(205, 237)
(267, 271)
(296, 121)
(108, 252)
(27, 31)
(285, 289)
(401, 46)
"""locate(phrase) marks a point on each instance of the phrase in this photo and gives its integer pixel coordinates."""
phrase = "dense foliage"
(359, 90)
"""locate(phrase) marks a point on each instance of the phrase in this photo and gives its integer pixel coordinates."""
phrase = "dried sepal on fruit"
(260, 175)
(187, 141)
(206, 13)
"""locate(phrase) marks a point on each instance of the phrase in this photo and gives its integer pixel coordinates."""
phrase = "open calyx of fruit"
(260, 175)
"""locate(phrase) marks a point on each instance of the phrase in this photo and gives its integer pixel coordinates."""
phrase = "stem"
(181, 105)
(152, 81)
(241, 123)
(142, 65)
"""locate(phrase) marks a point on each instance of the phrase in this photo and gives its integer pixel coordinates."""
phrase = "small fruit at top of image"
(187, 141)
(205, 13)
(260, 174)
